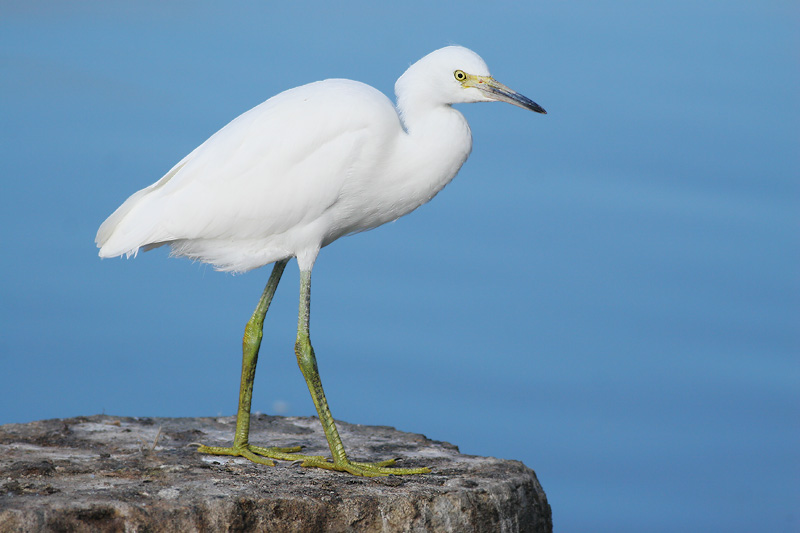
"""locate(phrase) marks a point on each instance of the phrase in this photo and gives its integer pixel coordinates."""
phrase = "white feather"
(304, 168)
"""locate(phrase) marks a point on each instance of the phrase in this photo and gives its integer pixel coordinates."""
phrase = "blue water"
(608, 293)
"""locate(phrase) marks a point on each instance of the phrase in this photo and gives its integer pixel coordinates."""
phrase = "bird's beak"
(494, 90)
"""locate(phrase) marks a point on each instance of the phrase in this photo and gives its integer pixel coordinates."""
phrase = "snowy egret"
(294, 174)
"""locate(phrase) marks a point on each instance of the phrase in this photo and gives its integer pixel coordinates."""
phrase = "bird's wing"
(277, 166)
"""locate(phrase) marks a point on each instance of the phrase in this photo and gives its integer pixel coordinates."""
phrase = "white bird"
(294, 174)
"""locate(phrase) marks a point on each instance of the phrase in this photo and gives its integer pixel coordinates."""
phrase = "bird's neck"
(436, 143)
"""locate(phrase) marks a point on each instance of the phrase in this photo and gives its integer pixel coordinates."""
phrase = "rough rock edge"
(107, 473)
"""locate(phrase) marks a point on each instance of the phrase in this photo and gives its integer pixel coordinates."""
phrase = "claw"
(264, 456)
(381, 468)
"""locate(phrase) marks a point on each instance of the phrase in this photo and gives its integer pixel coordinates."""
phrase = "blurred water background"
(608, 293)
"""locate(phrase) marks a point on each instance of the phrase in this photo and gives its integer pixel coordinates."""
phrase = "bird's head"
(455, 75)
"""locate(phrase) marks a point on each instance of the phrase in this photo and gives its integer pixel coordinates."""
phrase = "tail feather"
(108, 235)
(115, 237)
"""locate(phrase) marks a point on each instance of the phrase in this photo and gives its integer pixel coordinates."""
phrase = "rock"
(107, 473)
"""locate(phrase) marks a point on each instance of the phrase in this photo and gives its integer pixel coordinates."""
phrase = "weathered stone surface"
(106, 473)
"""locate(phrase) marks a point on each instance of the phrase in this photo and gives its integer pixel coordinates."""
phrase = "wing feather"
(275, 168)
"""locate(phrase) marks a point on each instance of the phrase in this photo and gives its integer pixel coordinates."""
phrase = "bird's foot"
(264, 456)
(383, 468)
(258, 454)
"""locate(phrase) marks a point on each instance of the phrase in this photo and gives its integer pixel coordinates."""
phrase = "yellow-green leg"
(308, 366)
(251, 343)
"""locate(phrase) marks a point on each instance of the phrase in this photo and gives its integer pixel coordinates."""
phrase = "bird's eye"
(460, 75)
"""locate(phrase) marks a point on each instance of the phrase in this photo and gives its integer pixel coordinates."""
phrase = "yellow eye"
(460, 75)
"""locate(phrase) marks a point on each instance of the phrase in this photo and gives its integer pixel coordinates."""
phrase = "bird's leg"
(250, 346)
(308, 366)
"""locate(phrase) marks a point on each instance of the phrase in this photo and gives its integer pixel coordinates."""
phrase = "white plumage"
(304, 168)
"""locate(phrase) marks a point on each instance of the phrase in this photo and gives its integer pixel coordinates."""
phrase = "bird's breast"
(397, 174)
